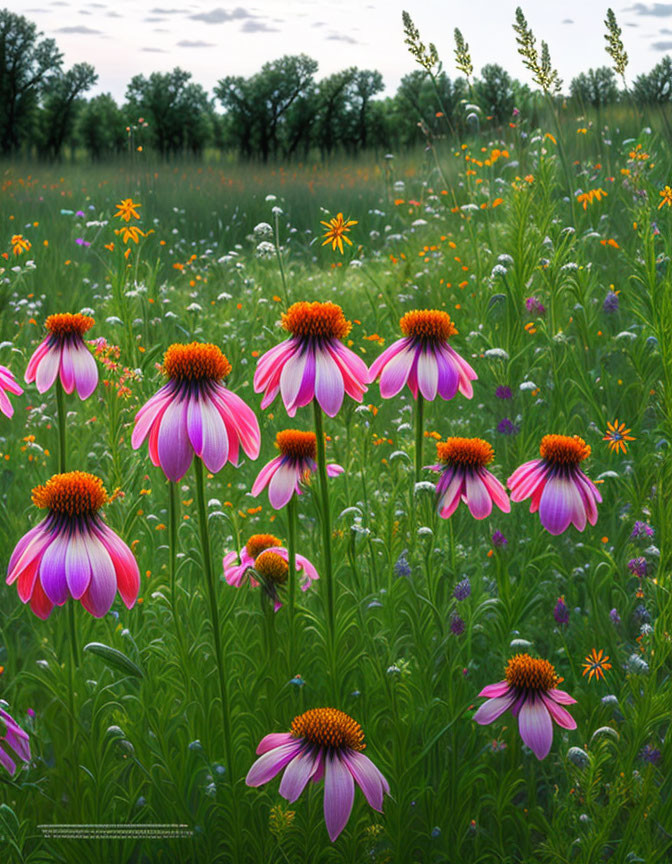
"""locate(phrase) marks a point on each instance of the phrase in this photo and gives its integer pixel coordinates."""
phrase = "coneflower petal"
(47, 369)
(297, 774)
(367, 776)
(77, 566)
(329, 387)
(339, 794)
(174, 450)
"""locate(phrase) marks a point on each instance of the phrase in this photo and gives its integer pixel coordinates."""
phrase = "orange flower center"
(65, 324)
(197, 361)
(316, 321)
(564, 449)
(73, 494)
(530, 673)
(272, 567)
(471, 452)
(296, 444)
(328, 727)
(258, 543)
(430, 325)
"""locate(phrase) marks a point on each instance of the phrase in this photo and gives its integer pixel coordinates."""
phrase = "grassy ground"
(110, 747)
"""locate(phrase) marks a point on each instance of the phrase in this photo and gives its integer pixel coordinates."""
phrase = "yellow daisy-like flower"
(20, 244)
(617, 435)
(596, 665)
(130, 232)
(666, 195)
(337, 228)
(127, 210)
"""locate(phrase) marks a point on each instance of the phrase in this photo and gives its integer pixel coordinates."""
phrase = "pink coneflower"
(313, 363)
(294, 466)
(530, 691)
(64, 352)
(8, 384)
(560, 491)
(464, 477)
(13, 742)
(423, 359)
(265, 557)
(323, 743)
(194, 413)
(72, 553)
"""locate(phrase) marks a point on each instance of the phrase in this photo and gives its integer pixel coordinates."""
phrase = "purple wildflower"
(499, 540)
(615, 617)
(637, 566)
(610, 302)
(561, 611)
(503, 392)
(650, 754)
(462, 589)
(641, 529)
(534, 307)
(507, 427)
(457, 624)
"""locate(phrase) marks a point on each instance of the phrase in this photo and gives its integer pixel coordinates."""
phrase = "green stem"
(60, 409)
(172, 543)
(419, 416)
(278, 254)
(326, 518)
(291, 549)
(214, 613)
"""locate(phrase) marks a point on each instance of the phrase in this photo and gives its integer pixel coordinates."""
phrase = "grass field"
(562, 303)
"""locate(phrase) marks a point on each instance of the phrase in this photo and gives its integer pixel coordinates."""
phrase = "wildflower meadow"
(336, 498)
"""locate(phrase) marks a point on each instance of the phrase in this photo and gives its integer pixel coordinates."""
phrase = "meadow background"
(475, 225)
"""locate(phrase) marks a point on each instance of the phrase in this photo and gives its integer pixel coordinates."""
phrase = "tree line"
(281, 112)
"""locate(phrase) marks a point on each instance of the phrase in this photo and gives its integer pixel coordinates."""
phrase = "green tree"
(101, 127)
(596, 87)
(177, 110)
(60, 103)
(27, 63)
(655, 88)
(495, 92)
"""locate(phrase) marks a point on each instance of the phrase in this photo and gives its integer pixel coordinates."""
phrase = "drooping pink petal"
(558, 504)
(297, 774)
(291, 378)
(478, 498)
(34, 361)
(265, 475)
(283, 485)
(494, 708)
(449, 378)
(7, 762)
(99, 596)
(52, 570)
(272, 762)
(561, 697)
(47, 369)
(174, 448)
(238, 414)
(367, 776)
(8, 381)
(150, 412)
(536, 727)
(86, 371)
(275, 739)
(561, 715)
(334, 470)
(383, 359)
(77, 566)
(126, 567)
(339, 794)
(67, 368)
(396, 372)
(353, 370)
(496, 490)
(492, 691)
(329, 387)
(40, 604)
(22, 545)
(428, 374)
(207, 433)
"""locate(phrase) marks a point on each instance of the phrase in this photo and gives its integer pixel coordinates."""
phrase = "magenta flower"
(194, 413)
(265, 557)
(323, 743)
(313, 363)
(64, 352)
(294, 466)
(530, 691)
(73, 553)
(560, 491)
(464, 477)
(8, 384)
(14, 742)
(423, 359)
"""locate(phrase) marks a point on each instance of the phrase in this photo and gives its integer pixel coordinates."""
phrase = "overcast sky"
(122, 38)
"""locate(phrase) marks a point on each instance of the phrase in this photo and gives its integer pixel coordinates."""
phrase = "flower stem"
(214, 614)
(172, 542)
(419, 415)
(291, 549)
(326, 518)
(60, 411)
(278, 254)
